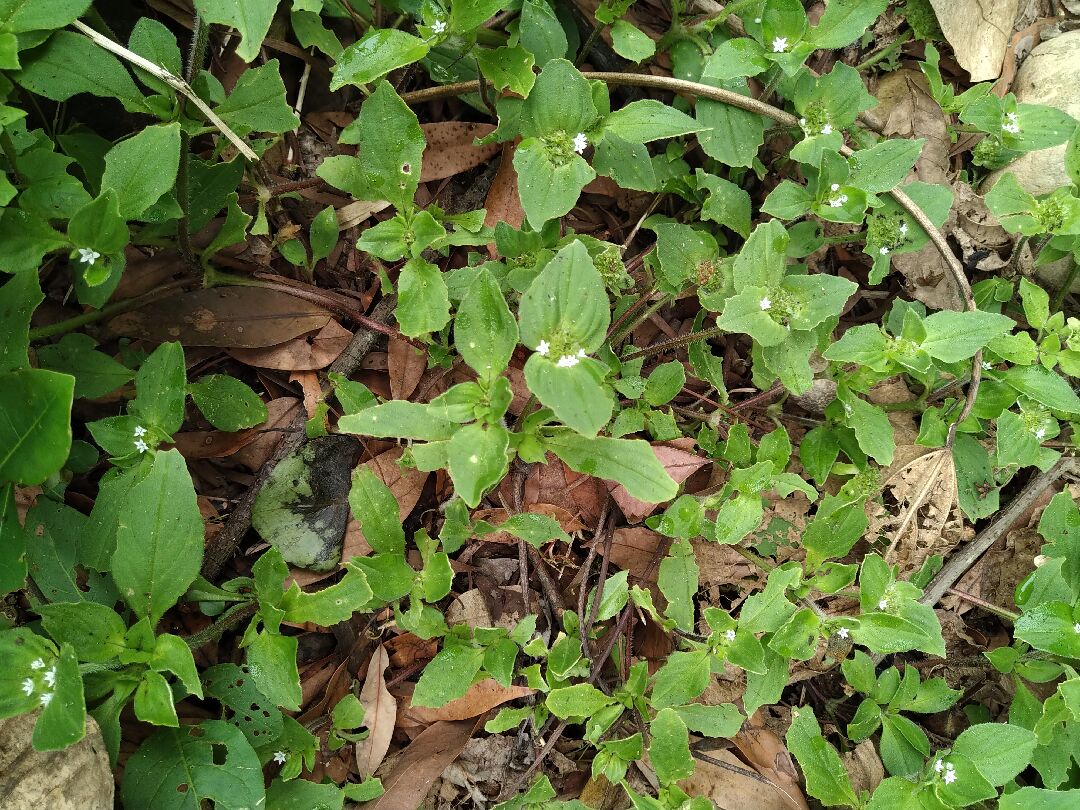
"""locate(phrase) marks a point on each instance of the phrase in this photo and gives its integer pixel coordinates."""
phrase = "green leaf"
(99, 226)
(257, 103)
(19, 297)
(723, 720)
(398, 419)
(576, 394)
(669, 749)
(826, 779)
(730, 135)
(1060, 527)
(844, 21)
(664, 383)
(566, 300)
(180, 769)
(12, 543)
(172, 654)
(19, 16)
(324, 234)
(63, 721)
(142, 168)
(787, 201)
(478, 460)
(541, 32)
(96, 632)
(227, 403)
(560, 102)
(884, 166)
(1050, 627)
(376, 54)
(159, 539)
(872, 428)
(998, 750)
(35, 434)
(154, 700)
(26, 238)
(630, 462)
(272, 661)
(423, 299)
(392, 143)
(683, 677)
(579, 700)
(954, 336)
(549, 180)
(375, 507)
(630, 42)
(678, 581)
(153, 41)
(649, 120)
(1043, 386)
(69, 64)
(330, 605)
(507, 68)
(161, 388)
(485, 333)
(448, 676)
(250, 17)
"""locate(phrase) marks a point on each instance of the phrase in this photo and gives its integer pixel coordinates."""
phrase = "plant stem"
(884, 53)
(675, 343)
(233, 616)
(588, 46)
(990, 607)
(116, 308)
(200, 37)
(635, 322)
(1066, 286)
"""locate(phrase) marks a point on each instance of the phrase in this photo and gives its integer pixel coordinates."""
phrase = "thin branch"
(175, 82)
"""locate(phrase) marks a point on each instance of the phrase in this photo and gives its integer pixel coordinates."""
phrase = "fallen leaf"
(864, 767)
(406, 365)
(482, 697)
(979, 32)
(766, 752)
(255, 453)
(679, 464)
(733, 791)
(503, 203)
(451, 148)
(380, 714)
(635, 548)
(226, 317)
(416, 770)
(309, 352)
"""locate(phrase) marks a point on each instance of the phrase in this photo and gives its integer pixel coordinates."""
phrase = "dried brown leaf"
(416, 770)
(451, 148)
(380, 714)
(482, 697)
(310, 352)
(406, 364)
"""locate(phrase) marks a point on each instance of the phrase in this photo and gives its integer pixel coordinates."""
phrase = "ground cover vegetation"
(537, 405)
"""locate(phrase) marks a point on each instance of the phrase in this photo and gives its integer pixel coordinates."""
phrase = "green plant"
(553, 313)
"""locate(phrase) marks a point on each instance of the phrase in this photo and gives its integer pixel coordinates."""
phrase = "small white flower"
(802, 122)
(884, 603)
(1076, 627)
(757, 20)
(1011, 116)
(88, 256)
(28, 687)
(279, 757)
(581, 353)
(827, 129)
(438, 27)
(950, 776)
(884, 251)
(50, 677)
(938, 766)
(986, 365)
(140, 431)
(543, 348)
(765, 303)
(729, 635)
(567, 361)
(834, 187)
(843, 632)
(779, 45)
(1040, 434)
(141, 446)
(46, 698)
(837, 202)
(37, 663)
(580, 142)
(1012, 127)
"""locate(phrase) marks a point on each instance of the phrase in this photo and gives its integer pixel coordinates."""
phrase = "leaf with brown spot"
(226, 317)
(483, 696)
(380, 714)
(310, 352)
(451, 148)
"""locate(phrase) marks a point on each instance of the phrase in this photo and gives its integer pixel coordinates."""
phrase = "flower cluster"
(140, 442)
(1010, 124)
(838, 200)
(947, 771)
(580, 142)
(543, 348)
(46, 684)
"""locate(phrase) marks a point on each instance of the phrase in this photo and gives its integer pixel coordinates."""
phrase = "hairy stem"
(675, 343)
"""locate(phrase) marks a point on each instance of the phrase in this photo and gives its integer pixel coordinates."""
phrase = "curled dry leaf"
(451, 148)
(732, 791)
(482, 697)
(416, 770)
(766, 752)
(310, 352)
(406, 365)
(503, 203)
(380, 714)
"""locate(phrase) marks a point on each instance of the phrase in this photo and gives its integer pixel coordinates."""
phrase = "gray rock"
(1048, 76)
(77, 778)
